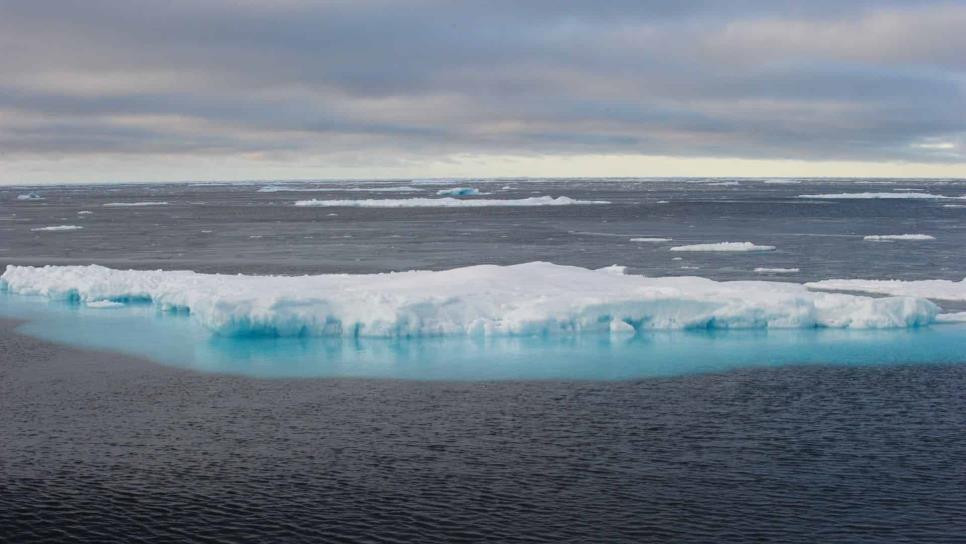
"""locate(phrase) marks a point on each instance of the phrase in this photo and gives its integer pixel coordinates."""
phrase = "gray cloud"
(748, 79)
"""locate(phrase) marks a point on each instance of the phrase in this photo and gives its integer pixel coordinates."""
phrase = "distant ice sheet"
(890, 237)
(57, 228)
(535, 298)
(134, 204)
(724, 246)
(873, 196)
(447, 202)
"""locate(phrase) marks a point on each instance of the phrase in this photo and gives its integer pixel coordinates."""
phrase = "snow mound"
(653, 240)
(133, 204)
(933, 289)
(888, 237)
(535, 298)
(765, 270)
(57, 228)
(872, 196)
(458, 191)
(30, 196)
(724, 246)
(447, 202)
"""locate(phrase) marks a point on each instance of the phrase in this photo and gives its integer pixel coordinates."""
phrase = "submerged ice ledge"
(535, 298)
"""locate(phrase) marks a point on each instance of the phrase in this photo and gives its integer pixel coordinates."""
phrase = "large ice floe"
(535, 298)
(880, 196)
(724, 246)
(934, 289)
(446, 202)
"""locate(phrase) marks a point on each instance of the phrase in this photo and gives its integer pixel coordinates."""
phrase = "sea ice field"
(492, 279)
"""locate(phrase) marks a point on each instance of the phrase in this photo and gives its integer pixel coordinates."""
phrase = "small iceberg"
(30, 196)
(724, 246)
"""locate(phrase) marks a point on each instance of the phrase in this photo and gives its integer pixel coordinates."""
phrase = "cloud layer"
(347, 82)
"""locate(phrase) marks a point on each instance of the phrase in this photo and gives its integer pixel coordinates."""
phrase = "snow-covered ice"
(724, 246)
(535, 298)
(57, 228)
(890, 237)
(134, 204)
(447, 202)
(932, 289)
(873, 196)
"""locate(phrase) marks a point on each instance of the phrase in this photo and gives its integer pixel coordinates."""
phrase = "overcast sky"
(127, 90)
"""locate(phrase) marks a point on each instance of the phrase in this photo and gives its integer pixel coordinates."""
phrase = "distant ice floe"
(891, 237)
(57, 228)
(134, 204)
(725, 183)
(954, 205)
(459, 191)
(535, 298)
(84, 212)
(781, 181)
(30, 196)
(724, 246)
(654, 240)
(377, 189)
(933, 289)
(447, 202)
(873, 196)
(765, 270)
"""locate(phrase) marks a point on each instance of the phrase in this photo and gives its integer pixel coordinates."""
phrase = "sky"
(132, 90)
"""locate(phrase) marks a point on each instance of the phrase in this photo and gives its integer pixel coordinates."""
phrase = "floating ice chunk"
(84, 212)
(764, 270)
(932, 289)
(458, 191)
(889, 237)
(654, 240)
(872, 196)
(780, 181)
(134, 204)
(30, 196)
(526, 299)
(57, 228)
(447, 202)
(724, 246)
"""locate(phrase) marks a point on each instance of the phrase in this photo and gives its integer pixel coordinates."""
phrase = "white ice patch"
(725, 184)
(459, 191)
(932, 289)
(527, 299)
(133, 204)
(890, 237)
(873, 196)
(781, 181)
(765, 270)
(447, 202)
(724, 246)
(84, 212)
(30, 196)
(57, 228)
(653, 240)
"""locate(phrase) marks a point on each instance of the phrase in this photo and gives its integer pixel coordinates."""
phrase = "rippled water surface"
(699, 436)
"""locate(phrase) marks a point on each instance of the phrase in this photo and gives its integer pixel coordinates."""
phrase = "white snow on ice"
(872, 196)
(134, 204)
(526, 299)
(890, 237)
(57, 228)
(447, 202)
(724, 246)
(932, 289)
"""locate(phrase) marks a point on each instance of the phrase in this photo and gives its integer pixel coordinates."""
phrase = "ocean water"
(697, 435)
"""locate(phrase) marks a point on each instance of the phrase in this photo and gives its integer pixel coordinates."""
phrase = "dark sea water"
(705, 447)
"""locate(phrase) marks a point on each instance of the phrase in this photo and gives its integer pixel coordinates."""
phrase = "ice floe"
(932, 289)
(447, 202)
(724, 246)
(891, 237)
(57, 228)
(458, 191)
(535, 298)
